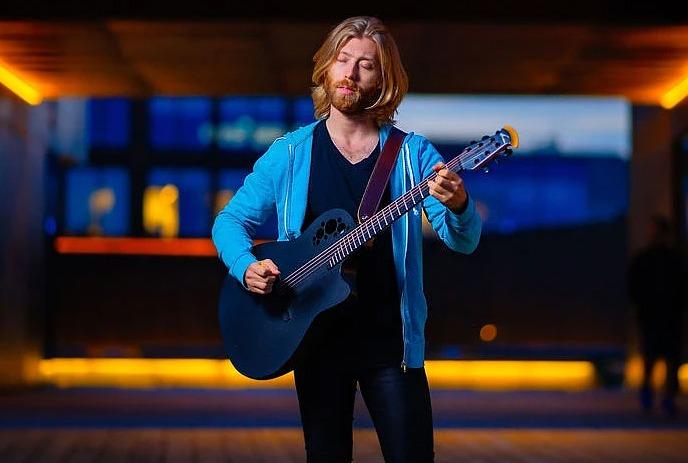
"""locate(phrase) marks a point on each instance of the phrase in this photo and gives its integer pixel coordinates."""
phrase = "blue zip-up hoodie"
(279, 183)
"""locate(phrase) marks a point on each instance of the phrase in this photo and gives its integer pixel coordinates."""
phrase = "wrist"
(461, 208)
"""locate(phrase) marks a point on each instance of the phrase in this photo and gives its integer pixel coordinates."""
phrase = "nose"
(352, 72)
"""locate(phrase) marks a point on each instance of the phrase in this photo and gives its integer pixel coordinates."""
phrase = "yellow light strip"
(442, 374)
(19, 87)
(675, 95)
(507, 375)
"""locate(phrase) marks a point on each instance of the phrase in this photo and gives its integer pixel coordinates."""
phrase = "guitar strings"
(342, 246)
(351, 239)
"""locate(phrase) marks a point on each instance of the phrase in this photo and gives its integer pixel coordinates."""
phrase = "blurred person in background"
(657, 275)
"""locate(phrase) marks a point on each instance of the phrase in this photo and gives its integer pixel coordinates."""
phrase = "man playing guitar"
(375, 338)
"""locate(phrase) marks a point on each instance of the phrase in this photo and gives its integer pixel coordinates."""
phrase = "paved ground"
(73, 426)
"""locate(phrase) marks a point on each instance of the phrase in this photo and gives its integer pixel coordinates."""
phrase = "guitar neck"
(476, 156)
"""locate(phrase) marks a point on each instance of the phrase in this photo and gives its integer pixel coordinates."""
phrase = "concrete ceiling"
(140, 58)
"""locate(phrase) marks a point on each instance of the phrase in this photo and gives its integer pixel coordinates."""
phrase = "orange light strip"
(19, 87)
(194, 247)
(675, 95)
(136, 246)
(442, 374)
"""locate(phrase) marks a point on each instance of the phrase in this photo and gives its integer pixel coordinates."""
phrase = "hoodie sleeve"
(251, 206)
(460, 232)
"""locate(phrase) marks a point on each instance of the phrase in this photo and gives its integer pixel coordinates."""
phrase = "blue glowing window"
(180, 123)
(303, 111)
(250, 123)
(531, 193)
(109, 123)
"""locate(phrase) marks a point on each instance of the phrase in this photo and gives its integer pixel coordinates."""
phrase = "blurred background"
(124, 129)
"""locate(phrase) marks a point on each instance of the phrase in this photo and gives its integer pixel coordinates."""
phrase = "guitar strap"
(380, 176)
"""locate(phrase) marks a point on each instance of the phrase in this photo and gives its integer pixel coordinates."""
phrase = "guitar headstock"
(479, 154)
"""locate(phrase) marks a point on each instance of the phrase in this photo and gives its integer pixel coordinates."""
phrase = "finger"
(437, 167)
(447, 174)
(439, 196)
(263, 270)
(262, 285)
(438, 192)
(446, 185)
(271, 265)
(268, 288)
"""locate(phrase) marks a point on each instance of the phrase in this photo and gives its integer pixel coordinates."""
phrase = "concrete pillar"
(23, 138)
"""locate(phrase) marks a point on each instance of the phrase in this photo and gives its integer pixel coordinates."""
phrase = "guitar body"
(262, 333)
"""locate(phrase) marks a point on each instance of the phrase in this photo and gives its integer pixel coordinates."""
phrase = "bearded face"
(352, 80)
(348, 97)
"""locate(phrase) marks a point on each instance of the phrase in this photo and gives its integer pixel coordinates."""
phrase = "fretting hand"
(448, 188)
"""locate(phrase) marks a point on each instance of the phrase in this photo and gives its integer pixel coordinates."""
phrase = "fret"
(396, 203)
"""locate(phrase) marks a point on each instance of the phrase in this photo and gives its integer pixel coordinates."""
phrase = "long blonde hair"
(394, 83)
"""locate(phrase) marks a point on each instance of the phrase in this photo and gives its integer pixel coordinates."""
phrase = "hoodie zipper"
(286, 199)
(403, 311)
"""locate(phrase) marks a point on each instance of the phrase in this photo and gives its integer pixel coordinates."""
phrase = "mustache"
(350, 84)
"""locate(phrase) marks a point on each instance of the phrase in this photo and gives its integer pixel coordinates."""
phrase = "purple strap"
(380, 176)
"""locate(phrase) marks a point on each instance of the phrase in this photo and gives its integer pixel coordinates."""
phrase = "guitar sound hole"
(327, 229)
(331, 226)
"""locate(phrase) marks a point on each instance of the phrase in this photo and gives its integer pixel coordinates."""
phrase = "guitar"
(262, 333)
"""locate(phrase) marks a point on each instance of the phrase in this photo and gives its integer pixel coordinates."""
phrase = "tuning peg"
(485, 137)
(508, 151)
(473, 142)
(486, 170)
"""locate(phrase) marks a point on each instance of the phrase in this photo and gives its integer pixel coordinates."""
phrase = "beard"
(352, 103)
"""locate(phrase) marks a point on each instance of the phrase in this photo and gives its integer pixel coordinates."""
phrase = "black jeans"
(398, 403)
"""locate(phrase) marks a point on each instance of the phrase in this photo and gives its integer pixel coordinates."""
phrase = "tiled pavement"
(73, 426)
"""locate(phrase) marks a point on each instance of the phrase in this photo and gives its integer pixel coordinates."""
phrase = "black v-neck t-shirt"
(366, 328)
